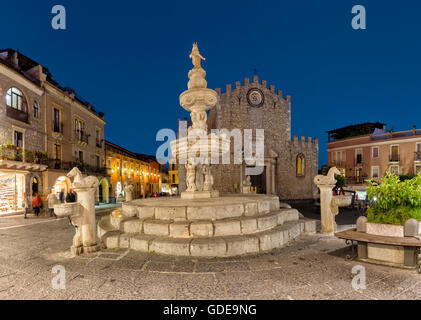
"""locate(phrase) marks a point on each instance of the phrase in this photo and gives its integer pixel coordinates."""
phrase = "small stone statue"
(129, 192)
(191, 176)
(208, 184)
(247, 185)
(199, 120)
(196, 57)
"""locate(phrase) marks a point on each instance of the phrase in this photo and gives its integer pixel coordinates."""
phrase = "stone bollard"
(411, 228)
(362, 224)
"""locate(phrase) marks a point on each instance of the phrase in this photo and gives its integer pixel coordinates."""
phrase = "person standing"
(52, 201)
(71, 197)
(61, 196)
(36, 204)
(25, 205)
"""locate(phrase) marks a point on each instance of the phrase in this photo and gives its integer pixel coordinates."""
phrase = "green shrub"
(340, 181)
(394, 201)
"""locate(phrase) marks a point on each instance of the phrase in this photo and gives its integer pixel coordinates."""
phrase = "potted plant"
(40, 156)
(9, 151)
(29, 156)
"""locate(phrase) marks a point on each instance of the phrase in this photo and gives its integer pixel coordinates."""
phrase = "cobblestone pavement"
(313, 267)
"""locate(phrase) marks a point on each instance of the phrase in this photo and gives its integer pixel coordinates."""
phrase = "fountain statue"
(247, 185)
(197, 100)
(82, 213)
(329, 204)
(129, 192)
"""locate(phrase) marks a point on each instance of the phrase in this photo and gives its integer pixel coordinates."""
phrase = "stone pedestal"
(327, 217)
(329, 205)
(82, 213)
(199, 194)
(86, 200)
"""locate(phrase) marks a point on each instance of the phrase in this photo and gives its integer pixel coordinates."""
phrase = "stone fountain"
(199, 146)
(202, 223)
(82, 213)
(329, 204)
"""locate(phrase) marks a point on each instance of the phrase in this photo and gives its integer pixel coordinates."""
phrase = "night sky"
(130, 58)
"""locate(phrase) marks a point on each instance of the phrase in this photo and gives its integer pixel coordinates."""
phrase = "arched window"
(15, 99)
(36, 110)
(300, 165)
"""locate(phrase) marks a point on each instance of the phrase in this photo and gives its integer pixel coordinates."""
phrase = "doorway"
(259, 182)
(35, 185)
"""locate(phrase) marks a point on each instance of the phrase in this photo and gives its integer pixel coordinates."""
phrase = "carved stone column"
(327, 216)
(86, 200)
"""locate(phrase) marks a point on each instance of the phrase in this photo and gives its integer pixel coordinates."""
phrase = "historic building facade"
(126, 167)
(173, 177)
(40, 136)
(289, 164)
(368, 151)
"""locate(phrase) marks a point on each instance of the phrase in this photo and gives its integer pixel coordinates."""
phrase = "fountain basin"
(208, 146)
(66, 209)
(341, 201)
(198, 99)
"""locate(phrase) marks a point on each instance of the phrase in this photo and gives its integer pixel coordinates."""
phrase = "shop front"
(16, 179)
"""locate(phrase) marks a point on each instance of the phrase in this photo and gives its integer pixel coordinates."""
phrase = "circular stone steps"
(220, 227)
(178, 209)
(205, 228)
(218, 246)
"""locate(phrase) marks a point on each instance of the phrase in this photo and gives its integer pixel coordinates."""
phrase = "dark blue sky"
(130, 58)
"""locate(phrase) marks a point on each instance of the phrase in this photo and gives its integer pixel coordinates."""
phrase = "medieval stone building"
(290, 164)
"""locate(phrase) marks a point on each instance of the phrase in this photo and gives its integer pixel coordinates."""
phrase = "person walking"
(52, 201)
(36, 204)
(25, 205)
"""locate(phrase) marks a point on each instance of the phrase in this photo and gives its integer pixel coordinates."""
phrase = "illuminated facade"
(45, 130)
(173, 177)
(126, 167)
(368, 151)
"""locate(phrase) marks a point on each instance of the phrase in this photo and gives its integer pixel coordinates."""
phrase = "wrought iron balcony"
(59, 164)
(81, 136)
(17, 114)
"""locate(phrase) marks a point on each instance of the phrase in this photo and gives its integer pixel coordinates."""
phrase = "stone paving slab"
(312, 267)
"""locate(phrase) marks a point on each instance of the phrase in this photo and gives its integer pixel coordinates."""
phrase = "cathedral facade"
(290, 164)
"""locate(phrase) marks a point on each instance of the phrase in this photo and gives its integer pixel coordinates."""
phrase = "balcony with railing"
(398, 134)
(394, 158)
(17, 114)
(58, 164)
(81, 136)
(98, 143)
